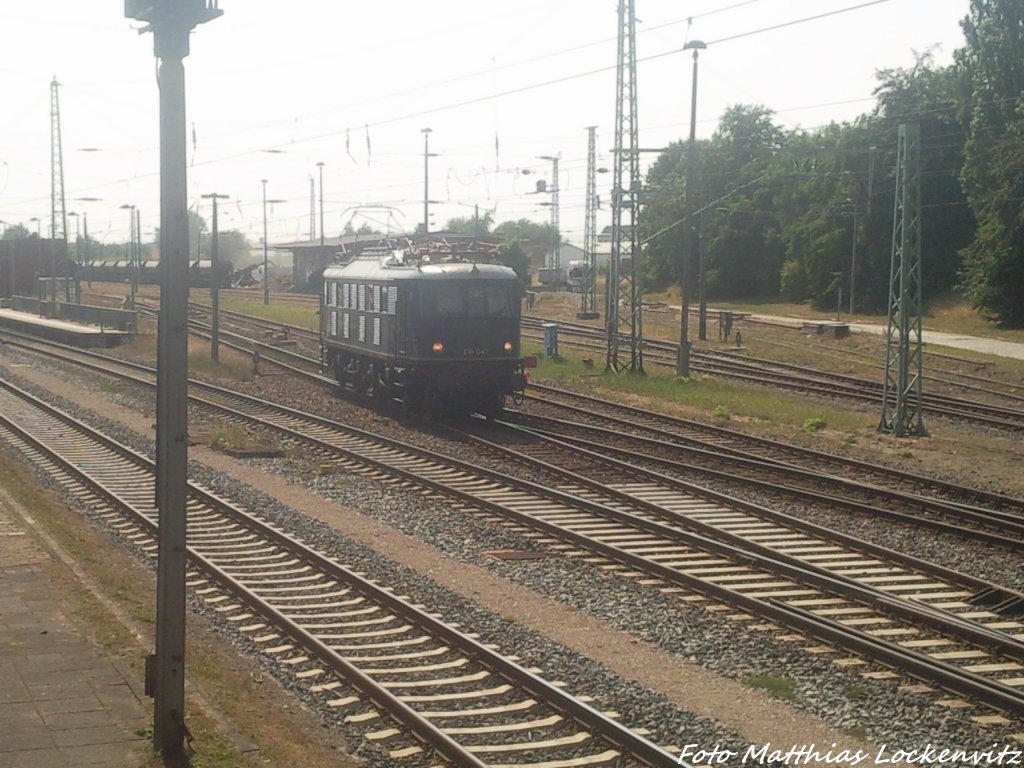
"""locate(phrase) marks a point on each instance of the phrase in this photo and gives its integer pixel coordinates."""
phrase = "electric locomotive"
(442, 337)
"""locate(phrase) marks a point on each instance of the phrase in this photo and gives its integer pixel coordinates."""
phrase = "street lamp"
(266, 270)
(683, 361)
(38, 225)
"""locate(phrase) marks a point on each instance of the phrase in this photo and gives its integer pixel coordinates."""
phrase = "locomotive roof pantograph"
(391, 268)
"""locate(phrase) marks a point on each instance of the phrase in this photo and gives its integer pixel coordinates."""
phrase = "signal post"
(171, 21)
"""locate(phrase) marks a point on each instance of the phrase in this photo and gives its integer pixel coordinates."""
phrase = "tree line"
(790, 212)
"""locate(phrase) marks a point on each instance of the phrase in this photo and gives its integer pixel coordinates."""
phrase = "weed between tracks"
(780, 687)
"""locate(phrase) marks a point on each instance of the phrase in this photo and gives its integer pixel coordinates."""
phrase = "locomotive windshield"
(470, 301)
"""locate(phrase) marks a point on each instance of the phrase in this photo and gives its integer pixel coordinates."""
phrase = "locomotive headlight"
(438, 347)
(507, 346)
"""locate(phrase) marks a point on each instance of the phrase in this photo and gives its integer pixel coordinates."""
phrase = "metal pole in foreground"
(215, 281)
(171, 23)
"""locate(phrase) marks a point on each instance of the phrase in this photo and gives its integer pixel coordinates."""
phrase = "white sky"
(308, 76)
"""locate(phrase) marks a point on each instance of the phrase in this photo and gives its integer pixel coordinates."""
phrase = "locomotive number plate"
(475, 352)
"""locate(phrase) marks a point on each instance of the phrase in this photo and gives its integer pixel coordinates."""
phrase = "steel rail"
(995, 594)
(993, 499)
(993, 527)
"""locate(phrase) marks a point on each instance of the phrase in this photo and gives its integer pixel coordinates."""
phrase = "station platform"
(64, 702)
(62, 331)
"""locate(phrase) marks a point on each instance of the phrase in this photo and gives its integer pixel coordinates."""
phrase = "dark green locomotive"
(440, 337)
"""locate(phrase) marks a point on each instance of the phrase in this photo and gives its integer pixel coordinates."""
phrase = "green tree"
(929, 96)
(364, 229)
(992, 63)
(526, 231)
(511, 254)
(739, 234)
(475, 226)
(232, 247)
(15, 232)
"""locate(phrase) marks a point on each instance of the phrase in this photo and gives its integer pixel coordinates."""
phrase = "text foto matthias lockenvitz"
(812, 754)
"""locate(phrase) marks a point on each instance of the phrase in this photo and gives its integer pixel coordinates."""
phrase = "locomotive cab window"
(449, 302)
(500, 301)
(471, 301)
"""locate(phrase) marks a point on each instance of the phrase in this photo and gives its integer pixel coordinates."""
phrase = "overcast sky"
(352, 85)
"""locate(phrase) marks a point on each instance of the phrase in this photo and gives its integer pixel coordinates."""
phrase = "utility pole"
(588, 297)
(320, 165)
(215, 281)
(138, 248)
(266, 263)
(686, 269)
(266, 270)
(426, 180)
(58, 219)
(88, 248)
(312, 209)
(131, 250)
(171, 21)
(625, 294)
(556, 248)
(853, 257)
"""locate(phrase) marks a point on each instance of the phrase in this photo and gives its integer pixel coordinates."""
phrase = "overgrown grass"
(715, 398)
(780, 687)
(289, 314)
(234, 436)
(201, 364)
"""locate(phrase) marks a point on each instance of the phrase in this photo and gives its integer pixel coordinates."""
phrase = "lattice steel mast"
(901, 398)
(625, 315)
(58, 215)
(588, 295)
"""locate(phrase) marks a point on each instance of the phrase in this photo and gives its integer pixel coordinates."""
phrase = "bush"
(814, 424)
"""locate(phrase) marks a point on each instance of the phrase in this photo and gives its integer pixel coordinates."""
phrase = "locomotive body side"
(438, 337)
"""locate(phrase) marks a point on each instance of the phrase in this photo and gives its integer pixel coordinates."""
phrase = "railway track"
(359, 646)
(912, 621)
(801, 378)
(945, 507)
(722, 448)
